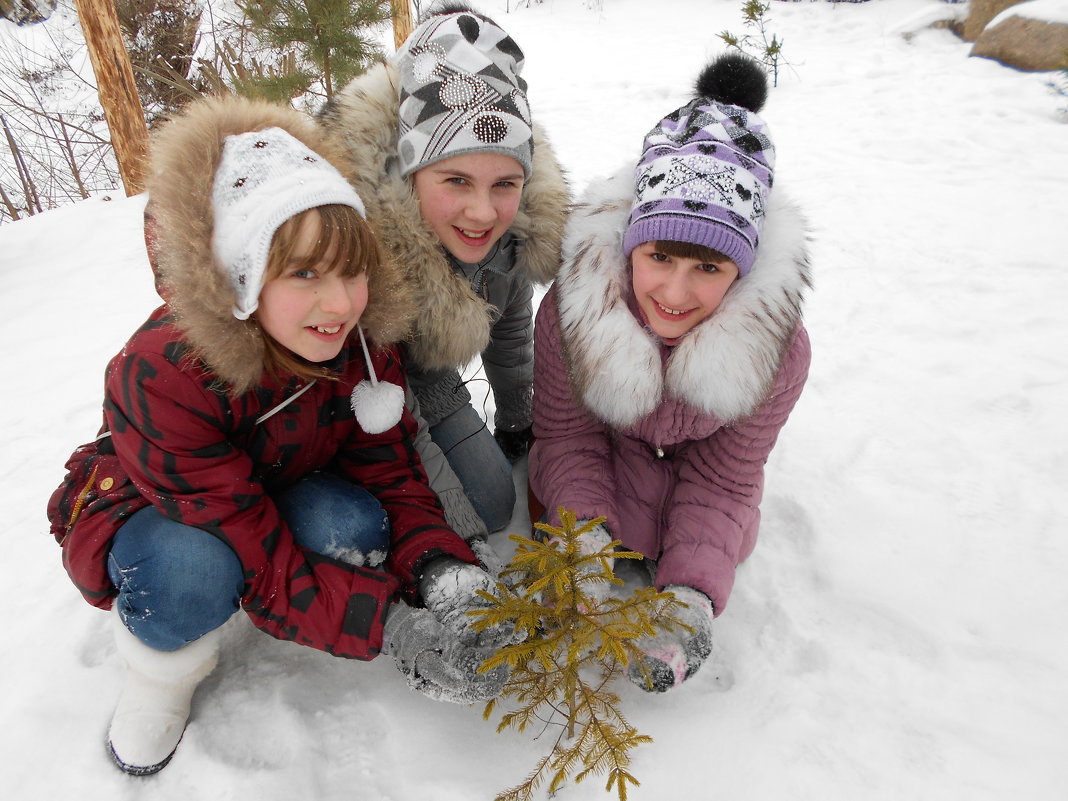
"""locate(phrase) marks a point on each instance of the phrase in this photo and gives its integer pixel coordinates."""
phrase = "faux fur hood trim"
(725, 366)
(185, 154)
(453, 323)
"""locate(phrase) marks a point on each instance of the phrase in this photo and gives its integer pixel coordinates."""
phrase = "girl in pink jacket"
(670, 352)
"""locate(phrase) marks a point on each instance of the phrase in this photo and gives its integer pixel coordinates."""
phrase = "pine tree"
(162, 38)
(329, 39)
(767, 51)
(578, 639)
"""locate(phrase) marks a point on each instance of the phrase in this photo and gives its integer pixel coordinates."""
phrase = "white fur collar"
(724, 366)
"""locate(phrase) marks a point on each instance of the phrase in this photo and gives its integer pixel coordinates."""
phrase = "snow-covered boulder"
(1027, 37)
(980, 12)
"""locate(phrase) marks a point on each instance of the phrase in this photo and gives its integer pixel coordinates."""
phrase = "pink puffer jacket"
(669, 444)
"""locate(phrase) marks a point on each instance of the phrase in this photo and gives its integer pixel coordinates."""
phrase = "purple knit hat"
(706, 169)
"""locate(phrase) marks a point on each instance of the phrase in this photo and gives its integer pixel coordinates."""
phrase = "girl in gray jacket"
(469, 198)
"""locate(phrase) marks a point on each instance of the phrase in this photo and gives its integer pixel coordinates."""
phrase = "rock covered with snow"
(1030, 36)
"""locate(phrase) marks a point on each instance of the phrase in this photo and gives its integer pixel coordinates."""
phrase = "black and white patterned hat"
(461, 92)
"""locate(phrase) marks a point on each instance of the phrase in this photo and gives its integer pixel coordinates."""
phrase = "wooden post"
(117, 90)
(402, 20)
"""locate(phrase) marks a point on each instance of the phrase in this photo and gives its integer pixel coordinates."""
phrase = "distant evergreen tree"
(768, 51)
(161, 38)
(324, 41)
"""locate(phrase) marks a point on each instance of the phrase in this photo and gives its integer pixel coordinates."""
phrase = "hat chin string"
(378, 405)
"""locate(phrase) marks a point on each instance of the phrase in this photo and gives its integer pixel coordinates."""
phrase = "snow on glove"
(434, 662)
(449, 590)
(513, 444)
(487, 556)
(671, 657)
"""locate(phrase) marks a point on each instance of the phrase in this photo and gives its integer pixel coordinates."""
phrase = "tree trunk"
(117, 89)
(402, 20)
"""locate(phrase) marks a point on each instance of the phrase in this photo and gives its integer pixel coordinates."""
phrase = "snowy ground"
(899, 632)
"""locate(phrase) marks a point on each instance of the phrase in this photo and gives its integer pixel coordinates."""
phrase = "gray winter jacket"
(464, 312)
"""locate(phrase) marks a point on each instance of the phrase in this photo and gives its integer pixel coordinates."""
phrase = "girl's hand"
(449, 588)
(514, 444)
(435, 662)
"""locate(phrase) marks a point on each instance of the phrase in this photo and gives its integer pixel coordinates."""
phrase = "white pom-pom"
(378, 406)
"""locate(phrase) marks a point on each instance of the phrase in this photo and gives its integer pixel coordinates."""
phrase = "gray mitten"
(671, 657)
(449, 588)
(434, 662)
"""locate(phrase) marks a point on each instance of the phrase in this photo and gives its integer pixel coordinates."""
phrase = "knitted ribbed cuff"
(514, 408)
(441, 398)
(461, 515)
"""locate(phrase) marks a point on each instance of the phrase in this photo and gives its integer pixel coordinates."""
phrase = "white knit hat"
(264, 178)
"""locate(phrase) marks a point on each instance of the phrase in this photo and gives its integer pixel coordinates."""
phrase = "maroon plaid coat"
(181, 443)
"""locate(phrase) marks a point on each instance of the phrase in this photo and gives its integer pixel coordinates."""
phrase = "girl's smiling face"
(312, 306)
(675, 293)
(470, 201)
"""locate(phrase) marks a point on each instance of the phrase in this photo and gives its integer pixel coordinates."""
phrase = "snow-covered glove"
(513, 444)
(671, 657)
(487, 556)
(435, 662)
(449, 588)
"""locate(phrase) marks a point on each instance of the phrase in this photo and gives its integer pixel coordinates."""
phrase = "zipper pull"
(659, 453)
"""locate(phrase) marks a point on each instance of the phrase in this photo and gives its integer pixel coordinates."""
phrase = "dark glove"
(449, 588)
(671, 657)
(436, 663)
(514, 444)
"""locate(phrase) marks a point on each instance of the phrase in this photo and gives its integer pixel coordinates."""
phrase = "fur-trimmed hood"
(185, 155)
(725, 366)
(453, 322)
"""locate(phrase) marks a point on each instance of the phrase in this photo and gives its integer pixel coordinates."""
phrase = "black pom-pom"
(735, 79)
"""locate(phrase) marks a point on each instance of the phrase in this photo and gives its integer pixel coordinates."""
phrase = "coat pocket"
(93, 502)
(92, 475)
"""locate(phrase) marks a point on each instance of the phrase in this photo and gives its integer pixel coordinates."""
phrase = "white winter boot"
(154, 705)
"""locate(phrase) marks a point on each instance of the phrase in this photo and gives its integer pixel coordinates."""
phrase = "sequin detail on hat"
(461, 93)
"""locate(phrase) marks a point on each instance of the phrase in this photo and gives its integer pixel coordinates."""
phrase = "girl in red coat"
(255, 452)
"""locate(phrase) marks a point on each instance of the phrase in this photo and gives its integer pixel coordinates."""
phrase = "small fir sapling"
(767, 51)
(578, 639)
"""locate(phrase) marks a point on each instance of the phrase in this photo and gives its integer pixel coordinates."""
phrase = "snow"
(899, 631)
(1044, 10)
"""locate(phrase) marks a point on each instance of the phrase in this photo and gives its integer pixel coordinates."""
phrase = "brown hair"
(688, 250)
(357, 250)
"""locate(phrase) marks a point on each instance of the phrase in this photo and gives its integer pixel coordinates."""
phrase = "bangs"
(688, 250)
(342, 226)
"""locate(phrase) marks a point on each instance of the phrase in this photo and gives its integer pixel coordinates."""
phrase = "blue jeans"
(475, 457)
(177, 582)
